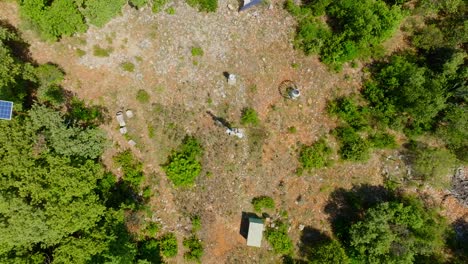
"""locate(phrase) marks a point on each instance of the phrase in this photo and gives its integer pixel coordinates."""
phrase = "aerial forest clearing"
(150, 131)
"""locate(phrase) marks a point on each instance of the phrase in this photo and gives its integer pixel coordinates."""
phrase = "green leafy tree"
(99, 12)
(353, 147)
(395, 232)
(329, 252)
(53, 19)
(279, 239)
(195, 248)
(131, 167)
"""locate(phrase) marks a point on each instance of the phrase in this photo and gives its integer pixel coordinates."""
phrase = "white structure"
(232, 79)
(294, 93)
(120, 118)
(255, 235)
(131, 142)
(235, 132)
(129, 113)
(123, 130)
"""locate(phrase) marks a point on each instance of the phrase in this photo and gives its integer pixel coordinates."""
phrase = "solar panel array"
(6, 108)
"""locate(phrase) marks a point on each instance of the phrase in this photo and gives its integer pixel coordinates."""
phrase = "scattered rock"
(131, 142)
(230, 7)
(129, 113)
(123, 130)
(301, 227)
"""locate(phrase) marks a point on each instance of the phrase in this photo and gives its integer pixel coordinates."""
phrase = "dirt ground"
(256, 46)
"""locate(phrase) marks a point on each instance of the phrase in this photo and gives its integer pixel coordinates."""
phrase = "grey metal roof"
(255, 235)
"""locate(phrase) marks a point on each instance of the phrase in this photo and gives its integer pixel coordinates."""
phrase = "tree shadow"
(459, 243)
(19, 47)
(346, 207)
(310, 239)
(219, 120)
(244, 226)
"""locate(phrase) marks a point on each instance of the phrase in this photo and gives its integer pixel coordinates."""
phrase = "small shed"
(255, 234)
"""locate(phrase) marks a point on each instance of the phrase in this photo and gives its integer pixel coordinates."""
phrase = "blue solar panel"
(6, 109)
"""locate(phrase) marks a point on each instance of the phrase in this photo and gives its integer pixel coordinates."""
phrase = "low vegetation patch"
(263, 202)
(131, 167)
(184, 166)
(278, 238)
(249, 116)
(101, 52)
(128, 66)
(196, 223)
(168, 245)
(195, 248)
(315, 156)
(142, 96)
(197, 51)
(204, 5)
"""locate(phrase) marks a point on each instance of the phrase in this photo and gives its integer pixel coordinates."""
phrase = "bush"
(195, 248)
(263, 202)
(168, 245)
(132, 168)
(128, 66)
(316, 155)
(279, 239)
(152, 229)
(142, 96)
(204, 5)
(184, 166)
(432, 165)
(382, 140)
(99, 12)
(197, 51)
(138, 3)
(100, 52)
(88, 116)
(347, 110)
(249, 116)
(329, 252)
(196, 223)
(158, 5)
(353, 146)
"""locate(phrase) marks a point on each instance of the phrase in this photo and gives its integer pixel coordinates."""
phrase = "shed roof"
(254, 237)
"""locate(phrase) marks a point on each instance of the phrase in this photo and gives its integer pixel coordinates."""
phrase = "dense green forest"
(59, 204)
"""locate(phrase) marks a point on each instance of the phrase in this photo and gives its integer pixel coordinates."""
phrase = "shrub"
(184, 166)
(353, 146)
(249, 116)
(347, 110)
(196, 223)
(132, 168)
(168, 245)
(100, 52)
(53, 94)
(432, 165)
(263, 202)
(152, 229)
(204, 5)
(138, 3)
(316, 155)
(329, 252)
(195, 248)
(158, 5)
(142, 96)
(197, 51)
(279, 239)
(128, 66)
(382, 140)
(99, 12)
(79, 112)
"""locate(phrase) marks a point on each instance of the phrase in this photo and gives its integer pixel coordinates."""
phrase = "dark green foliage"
(328, 252)
(432, 165)
(152, 229)
(279, 239)
(357, 28)
(195, 248)
(316, 155)
(352, 146)
(168, 245)
(249, 116)
(382, 140)
(347, 110)
(142, 96)
(132, 168)
(263, 202)
(184, 166)
(204, 5)
(149, 250)
(49, 77)
(138, 3)
(53, 19)
(453, 130)
(99, 12)
(84, 115)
